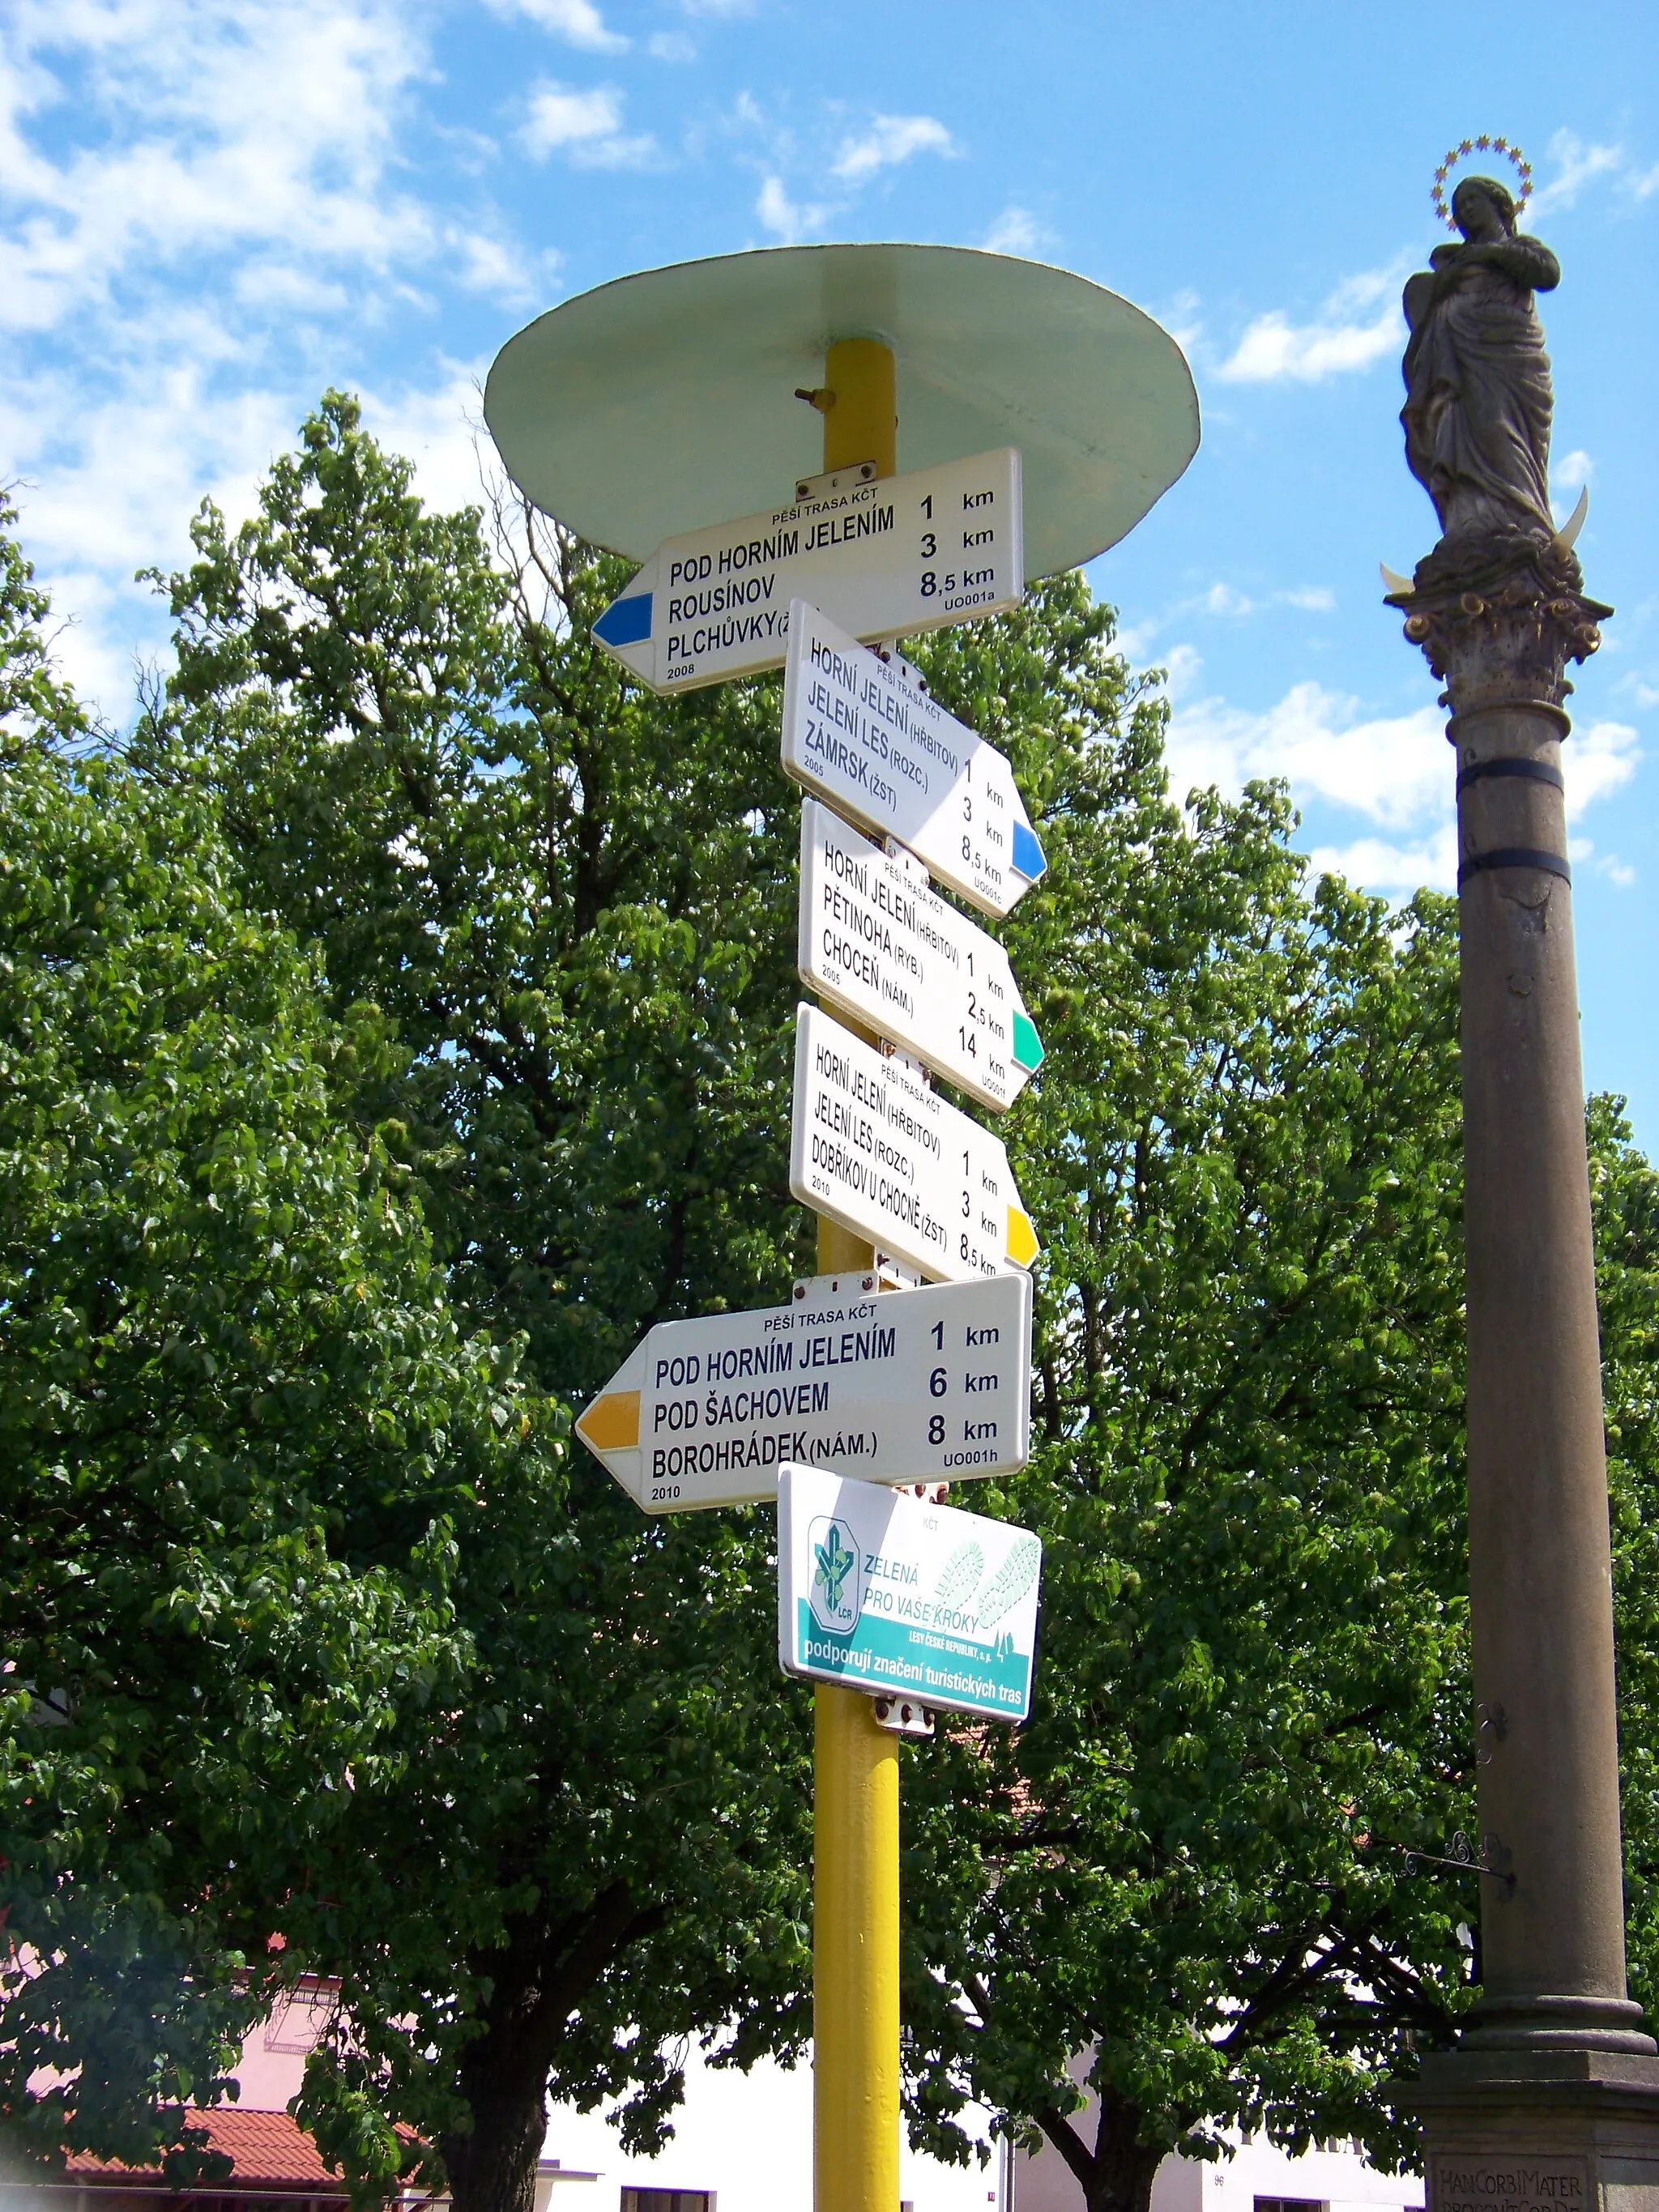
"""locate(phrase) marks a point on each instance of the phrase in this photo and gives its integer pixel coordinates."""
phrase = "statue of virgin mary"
(1477, 404)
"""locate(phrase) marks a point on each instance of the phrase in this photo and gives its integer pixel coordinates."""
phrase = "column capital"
(1504, 637)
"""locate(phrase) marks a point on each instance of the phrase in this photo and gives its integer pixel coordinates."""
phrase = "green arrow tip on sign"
(1028, 1046)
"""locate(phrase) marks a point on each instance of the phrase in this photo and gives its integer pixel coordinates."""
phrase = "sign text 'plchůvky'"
(892, 556)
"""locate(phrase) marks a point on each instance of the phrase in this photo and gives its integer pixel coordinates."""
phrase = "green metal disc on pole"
(664, 402)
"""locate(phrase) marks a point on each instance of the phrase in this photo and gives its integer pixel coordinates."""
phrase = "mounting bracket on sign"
(894, 1275)
(835, 480)
(861, 1285)
(902, 1715)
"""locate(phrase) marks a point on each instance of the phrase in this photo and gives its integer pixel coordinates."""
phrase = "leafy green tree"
(572, 907)
(238, 1424)
(1189, 1868)
(575, 904)
(37, 707)
(1624, 1193)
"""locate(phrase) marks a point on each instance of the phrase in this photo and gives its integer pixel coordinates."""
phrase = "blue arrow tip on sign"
(1028, 853)
(628, 621)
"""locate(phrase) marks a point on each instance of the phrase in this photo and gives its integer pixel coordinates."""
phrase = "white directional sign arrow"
(875, 940)
(913, 1386)
(885, 555)
(863, 733)
(875, 1149)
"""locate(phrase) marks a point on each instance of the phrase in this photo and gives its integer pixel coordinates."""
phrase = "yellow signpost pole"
(855, 1889)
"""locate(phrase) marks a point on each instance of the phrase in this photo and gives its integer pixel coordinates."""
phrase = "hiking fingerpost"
(1040, 417)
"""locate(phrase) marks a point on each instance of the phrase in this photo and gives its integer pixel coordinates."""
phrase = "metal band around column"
(1514, 856)
(1536, 771)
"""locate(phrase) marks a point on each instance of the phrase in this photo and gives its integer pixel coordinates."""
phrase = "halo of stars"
(1484, 143)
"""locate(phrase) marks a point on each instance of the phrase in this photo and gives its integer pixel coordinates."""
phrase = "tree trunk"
(1115, 2175)
(494, 2168)
(537, 1981)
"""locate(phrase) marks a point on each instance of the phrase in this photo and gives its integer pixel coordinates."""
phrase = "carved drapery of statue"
(1477, 406)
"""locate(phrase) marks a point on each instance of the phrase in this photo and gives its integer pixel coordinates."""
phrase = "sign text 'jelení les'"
(877, 1151)
(860, 730)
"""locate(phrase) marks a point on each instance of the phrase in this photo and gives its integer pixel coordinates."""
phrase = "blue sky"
(211, 208)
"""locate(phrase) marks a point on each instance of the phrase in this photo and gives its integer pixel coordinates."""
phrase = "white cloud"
(1014, 231)
(1273, 348)
(671, 47)
(243, 127)
(438, 429)
(578, 22)
(127, 468)
(1576, 165)
(1228, 602)
(891, 139)
(1391, 769)
(1598, 758)
(210, 220)
(1358, 322)
(1395, 870)
(1394, 771)
(586, 127)
(1180, 315)
(1573, 470)
(500, 266)
(782, 218)
(1223, 600)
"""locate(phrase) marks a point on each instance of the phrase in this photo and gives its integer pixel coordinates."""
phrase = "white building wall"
(748, 2139)
(1338, 2179)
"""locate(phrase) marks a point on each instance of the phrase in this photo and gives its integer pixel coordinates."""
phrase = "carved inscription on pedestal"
(1472, 2181)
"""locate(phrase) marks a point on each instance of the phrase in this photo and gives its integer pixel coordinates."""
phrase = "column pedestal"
(1536, 2130)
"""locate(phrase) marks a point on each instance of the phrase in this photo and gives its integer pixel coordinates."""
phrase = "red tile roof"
(269, 2150)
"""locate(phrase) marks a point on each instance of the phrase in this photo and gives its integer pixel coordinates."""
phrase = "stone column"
(1552, 2097)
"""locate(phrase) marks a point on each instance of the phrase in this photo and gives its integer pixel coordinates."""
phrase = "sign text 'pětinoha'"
(894, 955)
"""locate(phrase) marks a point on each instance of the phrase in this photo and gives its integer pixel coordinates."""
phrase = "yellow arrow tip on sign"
(611, 1423)
(1023, 1246)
